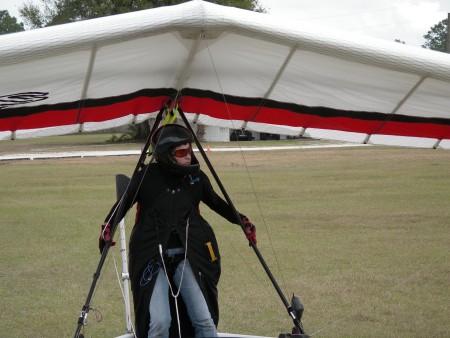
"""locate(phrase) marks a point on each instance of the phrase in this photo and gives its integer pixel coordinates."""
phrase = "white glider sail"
(226, 67)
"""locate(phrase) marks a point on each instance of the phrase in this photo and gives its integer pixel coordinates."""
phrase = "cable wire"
(246, 167)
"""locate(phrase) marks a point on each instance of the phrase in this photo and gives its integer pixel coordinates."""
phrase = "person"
(172, 249)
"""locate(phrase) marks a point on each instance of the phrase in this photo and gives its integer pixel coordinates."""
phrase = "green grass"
(75, 142)
(361, 235)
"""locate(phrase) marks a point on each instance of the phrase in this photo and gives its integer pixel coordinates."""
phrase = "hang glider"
(226, 67)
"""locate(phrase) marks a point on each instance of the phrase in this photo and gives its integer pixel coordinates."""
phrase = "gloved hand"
(105, 236)
(249, 229)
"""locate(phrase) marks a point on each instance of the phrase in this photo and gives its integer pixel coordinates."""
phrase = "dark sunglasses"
(182, 152)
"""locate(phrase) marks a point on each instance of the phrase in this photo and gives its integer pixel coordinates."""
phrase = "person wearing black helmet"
(173, 250)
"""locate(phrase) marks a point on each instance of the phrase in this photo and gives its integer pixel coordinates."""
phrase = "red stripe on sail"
(279, 116)
(63, 117)
(246, 110)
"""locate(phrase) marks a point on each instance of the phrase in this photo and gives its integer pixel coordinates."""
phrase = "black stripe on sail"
(88, 103)
(229, 99)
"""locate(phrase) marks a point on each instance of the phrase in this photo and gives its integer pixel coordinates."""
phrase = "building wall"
(216, 134)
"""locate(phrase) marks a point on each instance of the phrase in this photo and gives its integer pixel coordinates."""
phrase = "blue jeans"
(193, 298)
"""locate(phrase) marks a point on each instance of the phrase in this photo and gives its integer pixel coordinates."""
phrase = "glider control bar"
(295, 310)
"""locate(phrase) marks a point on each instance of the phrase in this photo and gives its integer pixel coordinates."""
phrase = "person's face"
(182, 154)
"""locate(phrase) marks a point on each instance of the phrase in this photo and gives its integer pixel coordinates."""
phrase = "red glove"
(249, 229)
(105, 236)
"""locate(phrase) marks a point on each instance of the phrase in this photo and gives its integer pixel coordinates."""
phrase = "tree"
(437, 37)
(9, 24)
(32, 16)
(56, 12)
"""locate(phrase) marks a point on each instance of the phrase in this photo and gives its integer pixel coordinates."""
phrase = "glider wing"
(227, 67)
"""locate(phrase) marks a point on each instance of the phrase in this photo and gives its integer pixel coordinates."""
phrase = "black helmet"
(164, 140)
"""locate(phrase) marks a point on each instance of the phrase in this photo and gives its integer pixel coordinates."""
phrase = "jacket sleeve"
(126, 201)
(215, 202)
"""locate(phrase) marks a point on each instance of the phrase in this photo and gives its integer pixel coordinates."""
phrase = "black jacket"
(168, 207)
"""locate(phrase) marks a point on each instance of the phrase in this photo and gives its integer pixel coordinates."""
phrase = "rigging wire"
(246, 166)
(175, 295)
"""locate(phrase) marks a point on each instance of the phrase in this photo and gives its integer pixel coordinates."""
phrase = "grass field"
(361, 235)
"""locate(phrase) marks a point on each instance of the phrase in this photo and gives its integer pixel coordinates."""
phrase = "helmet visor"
(182, 152)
